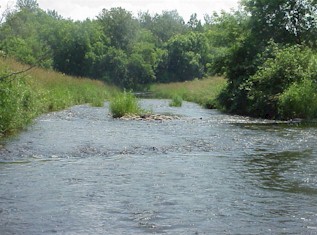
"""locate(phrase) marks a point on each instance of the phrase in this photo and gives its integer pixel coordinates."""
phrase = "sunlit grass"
(203, 92)
(124, 103)
(27, 95)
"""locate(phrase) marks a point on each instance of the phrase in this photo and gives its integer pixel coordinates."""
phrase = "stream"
(79, 171)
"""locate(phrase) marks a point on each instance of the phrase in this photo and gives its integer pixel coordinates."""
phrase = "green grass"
(176, 101)
(203, 92)
(124, 103)
(24, 97)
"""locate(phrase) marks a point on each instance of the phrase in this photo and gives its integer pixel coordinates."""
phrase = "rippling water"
(81, 172)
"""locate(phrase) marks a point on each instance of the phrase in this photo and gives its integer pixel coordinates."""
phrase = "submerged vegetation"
(25, 96)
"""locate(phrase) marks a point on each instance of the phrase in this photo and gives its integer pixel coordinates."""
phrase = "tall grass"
(25, 96)
(124, 104)
(176, 101)
(203, 92)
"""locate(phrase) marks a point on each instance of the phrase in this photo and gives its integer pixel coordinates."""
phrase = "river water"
(81, 172)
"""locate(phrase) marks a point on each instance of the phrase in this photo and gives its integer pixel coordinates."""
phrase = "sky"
(83, 9)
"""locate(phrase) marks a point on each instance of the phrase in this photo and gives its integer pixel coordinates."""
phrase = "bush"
(299, 101)
(288, 66)
(123, 104)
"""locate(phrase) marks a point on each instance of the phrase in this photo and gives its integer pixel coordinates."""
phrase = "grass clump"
(177, 101)
(202, 91)
(123, 104)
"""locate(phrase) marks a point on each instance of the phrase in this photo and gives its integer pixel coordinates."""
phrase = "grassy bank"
(203, 92)
(25, 96)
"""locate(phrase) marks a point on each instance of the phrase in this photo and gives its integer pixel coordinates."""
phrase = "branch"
(25, 70)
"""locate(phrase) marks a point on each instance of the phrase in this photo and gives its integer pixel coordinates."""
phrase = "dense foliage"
(266, 50)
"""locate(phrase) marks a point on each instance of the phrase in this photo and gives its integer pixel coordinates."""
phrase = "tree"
(194, 24)
(163, 26)
(120, 26)
(30, 5)
(21, 36)
(283, 21)
(251, 89)
(186, 59)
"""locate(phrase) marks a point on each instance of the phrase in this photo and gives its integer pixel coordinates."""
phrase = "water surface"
(81, 172)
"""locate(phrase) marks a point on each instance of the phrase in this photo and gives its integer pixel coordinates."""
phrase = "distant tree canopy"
(130, 51)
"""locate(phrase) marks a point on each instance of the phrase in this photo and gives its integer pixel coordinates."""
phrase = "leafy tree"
(30, 5)
(277, 21)
(186, 60)
(113, 67)
(163, 26)
(120, 26)
(283, 21)
(225, 31)
(194, 24)
(21, 36)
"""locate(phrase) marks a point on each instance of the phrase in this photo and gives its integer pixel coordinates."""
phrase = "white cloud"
(82, 9)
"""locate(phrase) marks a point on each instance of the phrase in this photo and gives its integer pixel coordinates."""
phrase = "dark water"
(81, 172)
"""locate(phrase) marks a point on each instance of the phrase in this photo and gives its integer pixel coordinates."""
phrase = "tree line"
(266, 49)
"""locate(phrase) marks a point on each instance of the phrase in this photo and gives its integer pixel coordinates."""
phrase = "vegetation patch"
(25, 96)
(201, 91)
(123, 104)
(177, 101)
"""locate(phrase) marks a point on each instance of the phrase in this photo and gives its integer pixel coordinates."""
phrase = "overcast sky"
(82, 9)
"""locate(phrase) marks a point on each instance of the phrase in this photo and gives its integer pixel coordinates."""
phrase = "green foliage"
(284, 21)
(163, 26)
(299, 100)
(273, 90)
(225, 33)
(186, 58)
(176, 101)
(17, 104)
(124, 103)
(289, 65)
(248, 46)
(258, 73)
(120, 25)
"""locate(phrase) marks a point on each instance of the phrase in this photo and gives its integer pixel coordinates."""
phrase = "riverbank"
(25, 96)
(201, 91)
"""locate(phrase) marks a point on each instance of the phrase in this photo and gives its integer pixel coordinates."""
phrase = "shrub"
(176, 101)
(299, 100)
(276, 75)
(123, 104)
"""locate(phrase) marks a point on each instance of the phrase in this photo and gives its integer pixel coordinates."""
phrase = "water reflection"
(277, 171)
